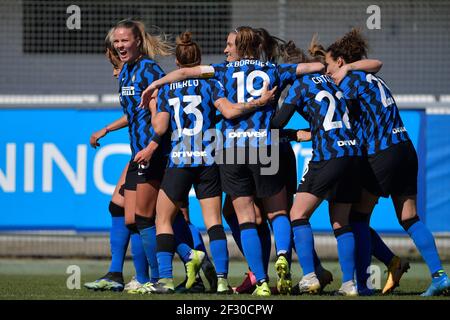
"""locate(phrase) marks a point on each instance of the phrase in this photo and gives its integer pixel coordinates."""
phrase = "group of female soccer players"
(216, 126)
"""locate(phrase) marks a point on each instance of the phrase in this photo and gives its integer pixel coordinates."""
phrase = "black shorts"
(177, 183)
(138, 173)
(241, 180)
(288, 168)
(337, 180)
(392, 171)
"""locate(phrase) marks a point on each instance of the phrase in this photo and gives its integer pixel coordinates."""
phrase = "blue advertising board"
(438, 173)
(50, 178)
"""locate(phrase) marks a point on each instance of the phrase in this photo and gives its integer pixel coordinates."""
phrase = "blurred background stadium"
(57, 88)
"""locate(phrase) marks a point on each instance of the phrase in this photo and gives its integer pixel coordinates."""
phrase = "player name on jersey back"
(184, 84)
(322, 79)
(241, 63)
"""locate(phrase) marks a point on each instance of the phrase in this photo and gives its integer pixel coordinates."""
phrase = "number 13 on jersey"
(191, 108)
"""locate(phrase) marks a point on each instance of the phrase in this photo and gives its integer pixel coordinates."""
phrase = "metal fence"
(48, 51)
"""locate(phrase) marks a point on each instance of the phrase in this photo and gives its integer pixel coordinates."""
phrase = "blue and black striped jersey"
(133, 79)
(243, 82)
(190, 104)
(321, 103)
(372, 106)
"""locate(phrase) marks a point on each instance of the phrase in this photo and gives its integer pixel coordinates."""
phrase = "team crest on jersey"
(128, 91)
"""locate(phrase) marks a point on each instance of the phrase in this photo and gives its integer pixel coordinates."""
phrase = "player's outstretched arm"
(368, 65)
(282, 116)
(176, 75)
(234, 110)
(120, 123)
(310, 67)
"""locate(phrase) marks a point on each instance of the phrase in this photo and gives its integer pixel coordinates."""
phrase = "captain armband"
(207, 71)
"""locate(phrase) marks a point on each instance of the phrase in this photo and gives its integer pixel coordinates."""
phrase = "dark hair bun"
(185, 39)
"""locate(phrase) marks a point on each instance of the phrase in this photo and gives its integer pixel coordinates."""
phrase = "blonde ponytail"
(156, 45)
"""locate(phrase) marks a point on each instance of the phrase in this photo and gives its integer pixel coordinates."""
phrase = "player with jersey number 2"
(392, 166)
(332, 173)
(379, 249)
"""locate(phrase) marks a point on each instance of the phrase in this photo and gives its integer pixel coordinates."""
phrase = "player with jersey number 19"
(187, 110)
(243, 181)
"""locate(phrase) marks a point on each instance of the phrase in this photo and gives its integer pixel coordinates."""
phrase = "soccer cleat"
(262, 290)
(223, 287)
(308, 284)
(325, 277)
(144, 289)
(112, 281)
(197, 287)
(397, 267)
(248, 285)
(438, 286)
(163, 286)
(193, 266)
(133, 285)
(348, 289)
(210, 274)
(284, 282)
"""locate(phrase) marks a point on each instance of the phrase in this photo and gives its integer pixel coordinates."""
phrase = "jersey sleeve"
(163, 100)
(218, 90)
(350, 86)
(219, 70)
(287, 73)
(152, 72)
(295, 94)
(293, 100)
(282, 116)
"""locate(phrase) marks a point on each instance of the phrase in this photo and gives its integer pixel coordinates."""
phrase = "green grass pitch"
(46, 279)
